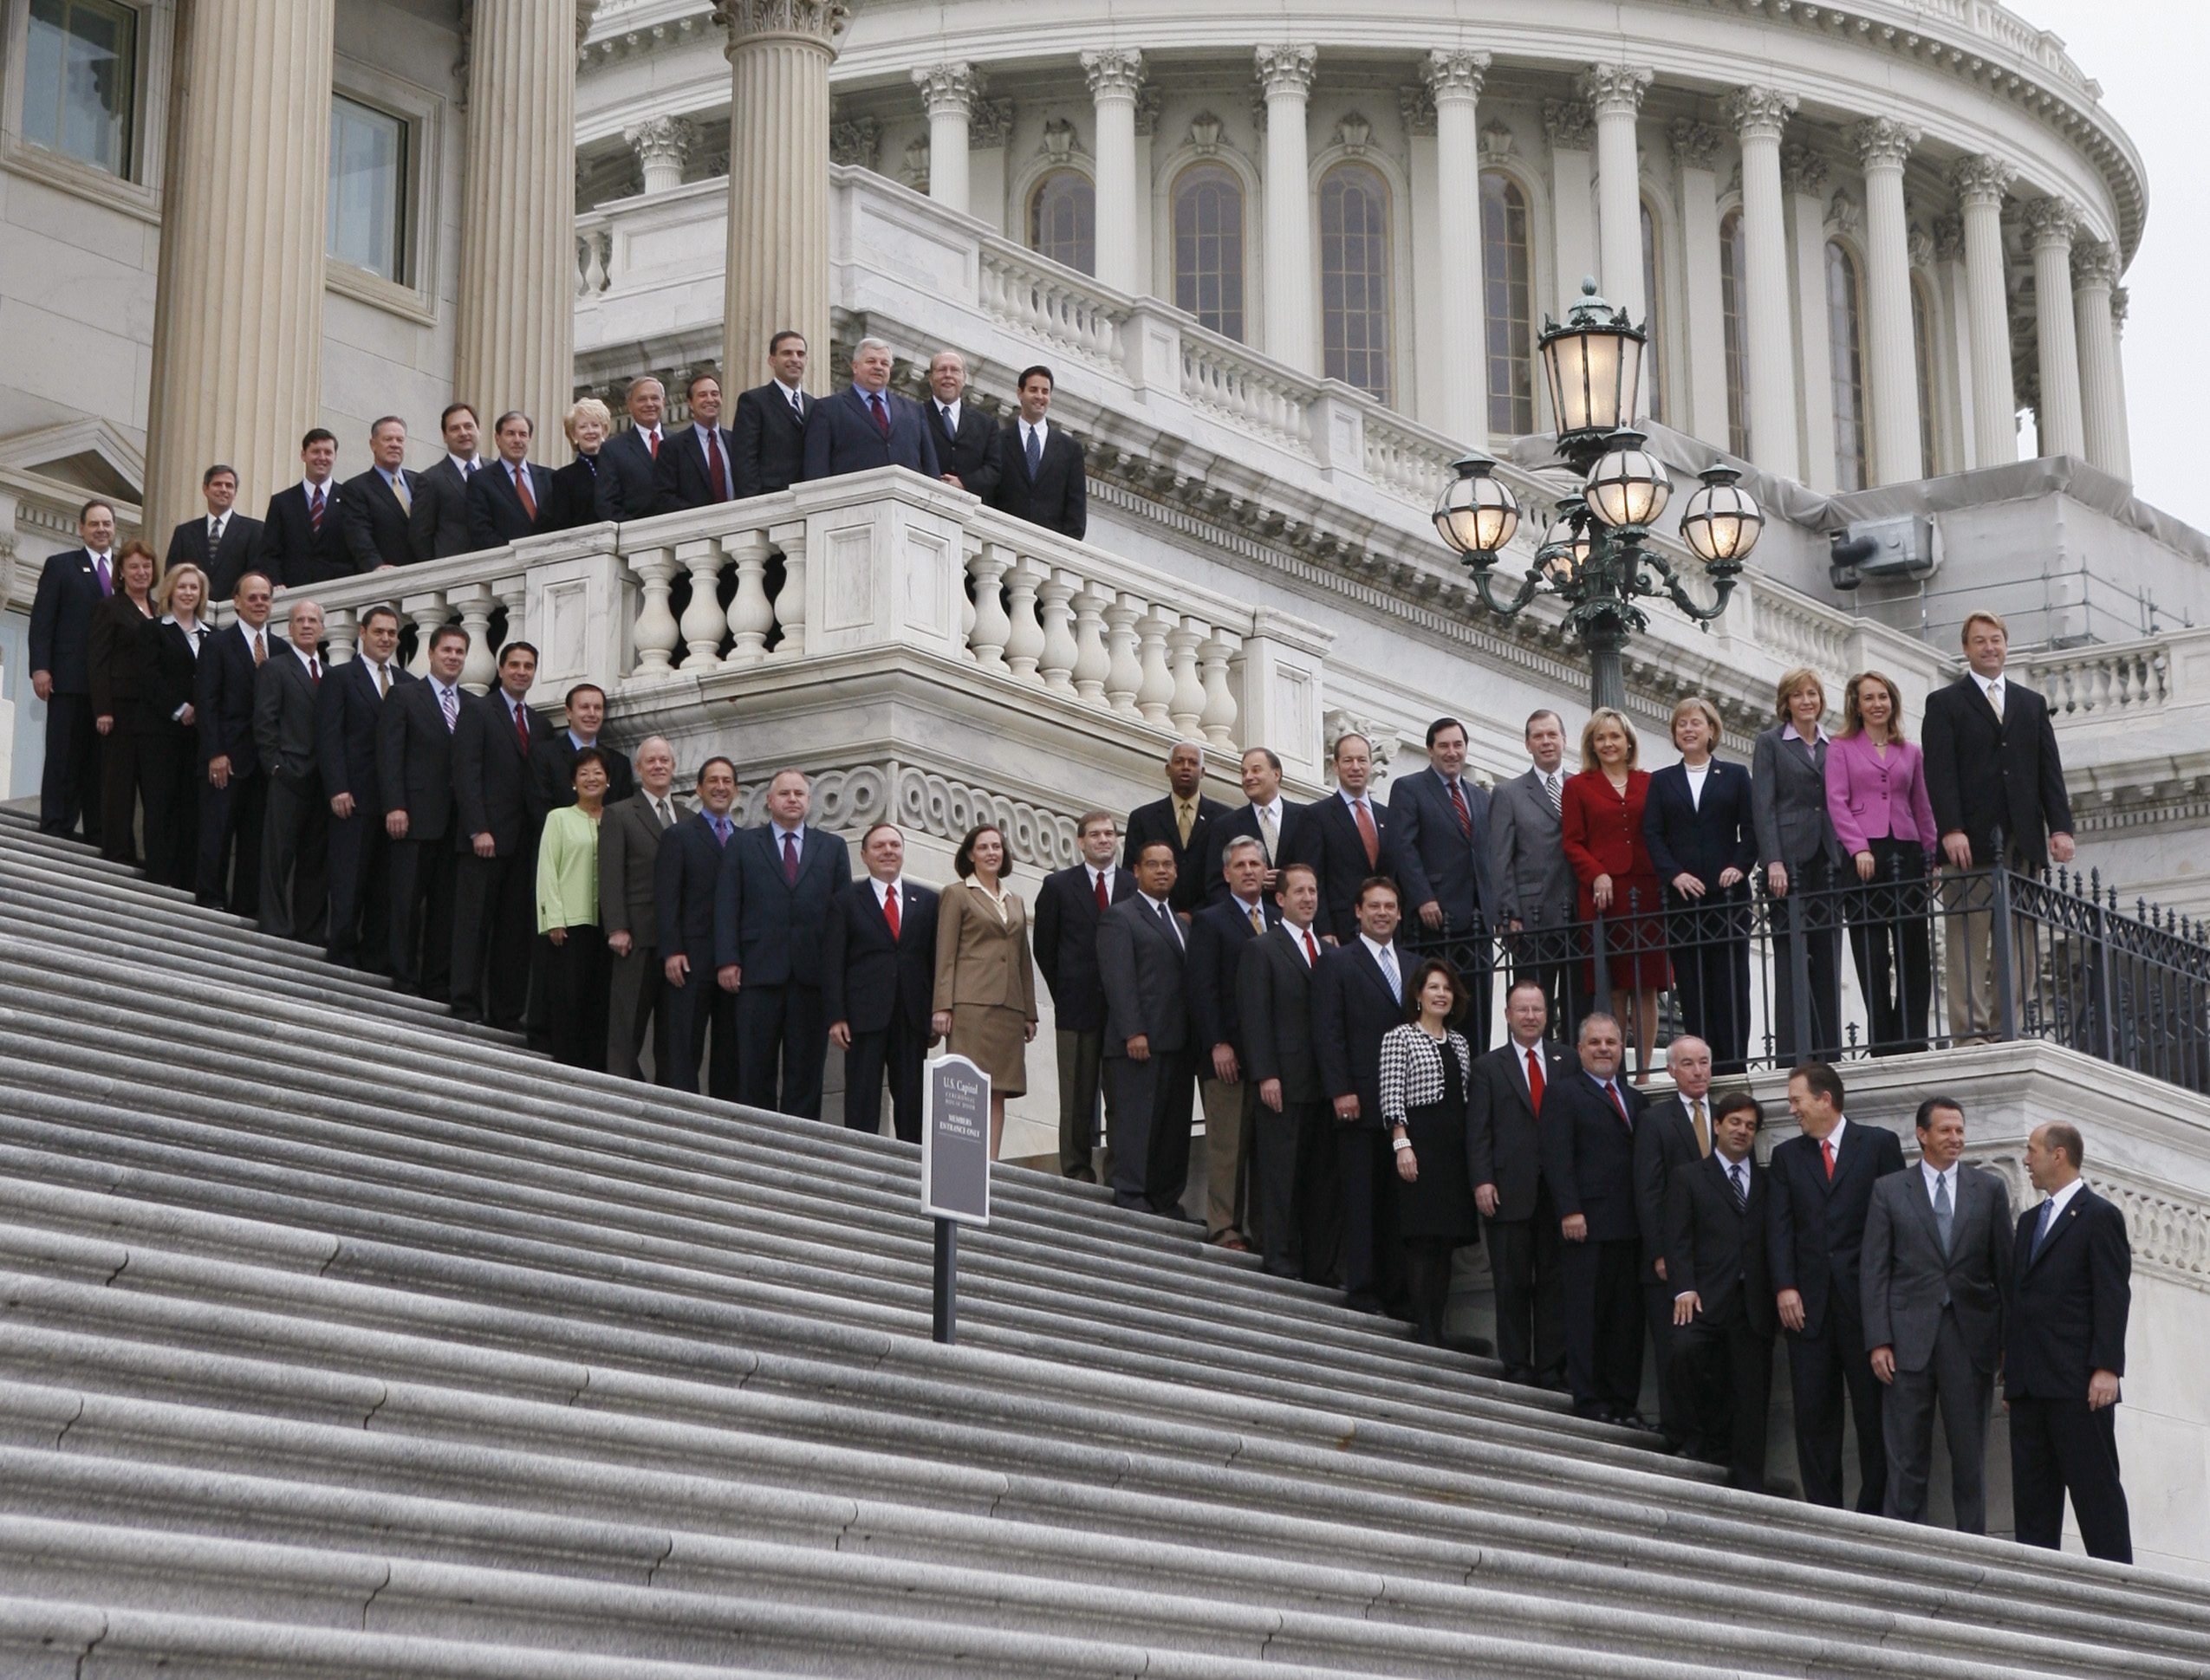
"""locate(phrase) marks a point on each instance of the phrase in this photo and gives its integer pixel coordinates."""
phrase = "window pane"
(1922, 343)
(80, 80)
(1652, 379)
(1062, 220)
(1845, 347)
(1508, 305)
(1208, 247)
(1354, 278)
(1733, 265)
(367, 223)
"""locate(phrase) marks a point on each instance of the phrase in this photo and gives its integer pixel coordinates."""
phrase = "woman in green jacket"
(568, 916)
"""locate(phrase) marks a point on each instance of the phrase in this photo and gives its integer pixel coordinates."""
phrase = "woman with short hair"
(582, 491)
(1802, 859)
(1427, 1069)
(1702, 842)
(568, 917)
(120, 666)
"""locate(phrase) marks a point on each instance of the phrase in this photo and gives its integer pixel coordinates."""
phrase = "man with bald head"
(295, 841)
(1675, 1134)
(629, 836)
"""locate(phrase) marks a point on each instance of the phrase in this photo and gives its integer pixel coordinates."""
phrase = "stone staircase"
(342, 1340)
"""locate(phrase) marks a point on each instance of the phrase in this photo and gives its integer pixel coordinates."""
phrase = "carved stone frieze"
(923, 802)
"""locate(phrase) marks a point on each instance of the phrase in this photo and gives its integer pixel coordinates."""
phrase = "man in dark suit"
(1673, 1135)
(770, 916)
(1142, 966)
(1042, 478)
(1282, 829)
(966, 438)
(1588, 1120)
(1182, 821)
(375, 510)
(697, 467)
(508, 501)
(878, 980)
(1519, 1224)
(1353, 839)
(629, 837)
(1443, 861)
(302, 535)
(1357, 996)
(348, 712)
(497, 819)
(2064, 1351)
(1937, 1267)
(224, 544)
(295, 844)
(1296, 1144)
(233, 809)
(770, 430)
(865, 426)
(1218, 935)
(1535, 886)
(70, 588)
(1715, 1212)
(438, 524)
(1992, 766)
(1822, 1192)
(686, 872)
(552, 760)
(414, 738)
(633, 455)
(1068, 908)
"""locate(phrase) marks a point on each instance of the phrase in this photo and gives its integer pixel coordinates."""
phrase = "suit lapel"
(2066, 1221)
(1374, 972)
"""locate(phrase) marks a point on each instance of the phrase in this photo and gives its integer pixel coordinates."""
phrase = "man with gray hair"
(634, 454)
(629, 836)
(1218, 935)
(864, 426)
(295, 879)
(966, 438)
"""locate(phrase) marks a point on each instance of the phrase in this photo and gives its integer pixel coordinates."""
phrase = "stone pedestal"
(1882, 147)
(1759, 115)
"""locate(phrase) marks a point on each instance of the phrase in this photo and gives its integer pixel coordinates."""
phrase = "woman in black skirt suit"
(169, 772)
(1425, 1068)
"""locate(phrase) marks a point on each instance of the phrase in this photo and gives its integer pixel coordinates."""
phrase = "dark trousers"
(575, 996)
(1821, 934)
(121, 773)
(1723, 1376)
(294, 859)
(1604, 1322)
(897, 1050)
(70, 786)
(360, 893)
(1524, 1257)
(169, 781)
(697, 1009)
(1665, 1348)
(420, 878)
(1822, 1368)
(1427, 1262)
(1891, 939)
(1372, 1273)
(1298, 1220)
(232, 819)
(494, 914)
(782, 1026)
(2059, 1446)
(1963, 1391)
(1082, 1082)
(633, 987)
(1151, 1110)
(1709, 941)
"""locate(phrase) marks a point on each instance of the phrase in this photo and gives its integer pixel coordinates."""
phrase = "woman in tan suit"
(985, 982)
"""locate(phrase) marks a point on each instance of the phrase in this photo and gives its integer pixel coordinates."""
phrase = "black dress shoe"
(1595, 1410)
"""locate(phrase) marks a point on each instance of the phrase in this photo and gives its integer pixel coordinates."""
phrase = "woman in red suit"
(1601, 822)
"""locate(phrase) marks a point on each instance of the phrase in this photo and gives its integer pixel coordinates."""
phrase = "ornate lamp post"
(1595, 556)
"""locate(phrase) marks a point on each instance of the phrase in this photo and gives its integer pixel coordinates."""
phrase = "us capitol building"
(1288, 261)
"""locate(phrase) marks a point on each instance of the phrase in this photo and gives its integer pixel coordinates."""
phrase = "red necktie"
(652, 445)
(890, 911)
(521, 490)
(522, 728)
(1311, 951)
(1826, 1147)
(1458, 801)
(315, 512)
(1366, 832)
(315, 669)
(881, 414)
(1534, 1080)
(1618, 1107)
(717, 468)
(791, 859)
(1104, 898)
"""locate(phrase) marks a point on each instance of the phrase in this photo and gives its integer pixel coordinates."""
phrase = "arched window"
(1355, 277)
(1845, 351)
(1508, 304)
(1733, 284)
(1208, 247)
(1653, 381)
(1063, 219)
(1922, 346)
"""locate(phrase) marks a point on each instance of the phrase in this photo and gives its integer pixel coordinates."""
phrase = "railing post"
(2007, 990)
(2106, 995)
(1794, 907)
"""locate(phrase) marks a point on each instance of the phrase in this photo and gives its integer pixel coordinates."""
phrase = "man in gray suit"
(1141, 956)
(629, 850)
(1535, 900)
(1446, 868)
(295, 879)
(1937, 1269)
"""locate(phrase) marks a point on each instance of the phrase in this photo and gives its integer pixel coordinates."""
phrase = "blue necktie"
(2048, 1219)
(721, 831)
(1943, 1214)
(1035, 451)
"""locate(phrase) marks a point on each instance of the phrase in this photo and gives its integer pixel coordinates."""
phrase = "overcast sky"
(2147, 55)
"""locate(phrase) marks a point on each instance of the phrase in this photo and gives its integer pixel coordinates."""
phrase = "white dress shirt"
(885, 890)
(1698, 775)
(791, 395)
(1933, 1180)
(950, 411)
(308, 657)
(1098, 875)
(1386, 955)
(1297, 938)
(2056, 1204)
(326, 489)
(1041, 432)
(465, 464)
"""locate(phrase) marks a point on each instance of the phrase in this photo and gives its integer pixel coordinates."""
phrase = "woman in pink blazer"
(1875, 792)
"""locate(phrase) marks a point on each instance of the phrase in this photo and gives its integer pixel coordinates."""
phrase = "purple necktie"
(881, 414)
(791, 859)
(106, 579)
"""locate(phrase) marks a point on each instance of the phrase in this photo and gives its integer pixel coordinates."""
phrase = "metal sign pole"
(955, 1175)
(946, 1321)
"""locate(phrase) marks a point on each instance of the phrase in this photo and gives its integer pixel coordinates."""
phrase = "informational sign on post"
(955, 1172)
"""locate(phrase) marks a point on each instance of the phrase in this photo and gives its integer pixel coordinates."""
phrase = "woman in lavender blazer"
(1875, 792)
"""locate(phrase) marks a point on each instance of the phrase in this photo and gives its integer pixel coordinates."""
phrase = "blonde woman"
(168, 764)
(986, 981)
(1599, 823)
(583, 490)
(1802, 860)
(1704, 847)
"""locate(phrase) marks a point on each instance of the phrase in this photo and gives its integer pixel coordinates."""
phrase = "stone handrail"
(1232, 382)
(2131, 679)
(1054, 305)
(470, 590)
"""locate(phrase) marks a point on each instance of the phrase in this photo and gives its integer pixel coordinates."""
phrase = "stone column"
(779, 55)
(1115, 78)
(1455, 78)
(2095, 271)
(1803, 173)
(1980, 183)
(1695, 150)
(1431, 379)
(1758, 115)
(663, 146)
(1955, 300)
(1572, 134)
(515, 343)
(1882, 147)
(1613, 94)
(2119, 299)
(2052, 224)
(238, 316)
(1285, 74)
(949, 92)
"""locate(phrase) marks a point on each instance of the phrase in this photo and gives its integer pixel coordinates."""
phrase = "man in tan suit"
(629, 845)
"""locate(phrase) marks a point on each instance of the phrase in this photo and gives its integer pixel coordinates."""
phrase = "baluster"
(594, 265)
(703, 623)
(1219, 720)
(966, 609)
(1156, 697)
(1059, 650)
(1187, 707)
(750, 615)
(338, 634)
(1025, 646)
(1091, 663)
(1123, 671)
(657, 634)
(992, 627)
(481, 666)
(429, 613)
(790, 599)
(513, 593)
